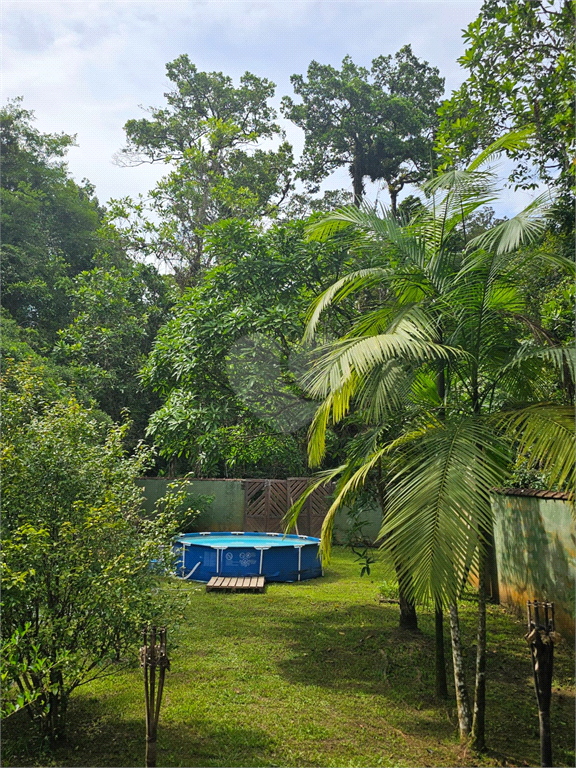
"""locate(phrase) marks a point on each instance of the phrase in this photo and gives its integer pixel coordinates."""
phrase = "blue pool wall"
(295, 560)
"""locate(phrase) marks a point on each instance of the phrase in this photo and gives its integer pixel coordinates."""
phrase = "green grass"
(309, 674)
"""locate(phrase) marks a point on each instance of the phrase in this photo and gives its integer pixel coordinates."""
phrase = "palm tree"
(449, 346)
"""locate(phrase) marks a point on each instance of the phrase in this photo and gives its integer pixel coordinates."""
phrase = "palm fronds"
(321, 478)
(521, 229)
(439, 504)
(354, 281)
(439, 353)
(562, 358)
(544, 434)
(511, 142)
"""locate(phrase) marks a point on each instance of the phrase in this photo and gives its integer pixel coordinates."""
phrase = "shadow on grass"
(359, 650)
(97, 739)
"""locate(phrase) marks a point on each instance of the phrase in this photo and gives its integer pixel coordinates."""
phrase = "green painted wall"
(535, 551)
(226, 513)
(372, 518)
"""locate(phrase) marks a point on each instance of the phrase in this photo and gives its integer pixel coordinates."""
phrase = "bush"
(77, 585)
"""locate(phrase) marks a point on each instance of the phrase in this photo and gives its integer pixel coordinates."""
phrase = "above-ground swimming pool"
(277, 556)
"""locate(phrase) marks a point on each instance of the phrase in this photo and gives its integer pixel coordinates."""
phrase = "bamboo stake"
(540, 638)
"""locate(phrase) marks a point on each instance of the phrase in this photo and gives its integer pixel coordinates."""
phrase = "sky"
(85, 68)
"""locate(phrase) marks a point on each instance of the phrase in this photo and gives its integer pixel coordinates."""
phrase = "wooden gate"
(267, 501)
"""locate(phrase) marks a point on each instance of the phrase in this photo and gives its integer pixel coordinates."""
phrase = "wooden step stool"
(236, 583)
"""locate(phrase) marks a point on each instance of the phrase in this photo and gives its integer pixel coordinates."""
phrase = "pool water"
(246, 540)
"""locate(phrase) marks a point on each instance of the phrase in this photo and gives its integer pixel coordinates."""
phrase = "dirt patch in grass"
(310, 674)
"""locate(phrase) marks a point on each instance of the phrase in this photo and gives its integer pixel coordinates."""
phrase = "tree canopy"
(210, 133)
(521, 62)
(49, 223)
(262, 285)
(380, 124)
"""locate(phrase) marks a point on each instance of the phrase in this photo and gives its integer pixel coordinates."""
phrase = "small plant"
(187, 506)
(355, 539)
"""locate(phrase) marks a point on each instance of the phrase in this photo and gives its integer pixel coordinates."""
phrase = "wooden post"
(540, 638)
(153, 657)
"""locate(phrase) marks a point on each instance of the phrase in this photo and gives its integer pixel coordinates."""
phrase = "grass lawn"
(309, 674)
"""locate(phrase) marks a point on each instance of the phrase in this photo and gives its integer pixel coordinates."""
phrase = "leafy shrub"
(77, 585)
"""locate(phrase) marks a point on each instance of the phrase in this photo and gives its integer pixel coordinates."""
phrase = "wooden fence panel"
(255, 506)
(267, 501)
(277, 505)
(320, 501)
(296, 487)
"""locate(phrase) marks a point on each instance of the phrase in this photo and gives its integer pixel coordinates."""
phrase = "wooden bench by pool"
(236, 583)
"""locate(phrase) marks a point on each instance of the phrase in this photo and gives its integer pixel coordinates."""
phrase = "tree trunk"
(393, 200)
(441, 685)
(462, 701)
(151, 751)
(53, 718)
(408, 617)
(478, 722)
(357, 183)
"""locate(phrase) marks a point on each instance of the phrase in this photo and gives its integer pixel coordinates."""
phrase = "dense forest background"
(155, 310)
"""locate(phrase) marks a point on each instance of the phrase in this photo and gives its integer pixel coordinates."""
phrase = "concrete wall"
(535, 551)
(343, 523)
(226, 513)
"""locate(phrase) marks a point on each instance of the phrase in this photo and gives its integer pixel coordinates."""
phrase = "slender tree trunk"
(151, 751)
(462, 700)
(408, 617)
(441, 684)
(53, 722)
(478, 722)
(393, 200)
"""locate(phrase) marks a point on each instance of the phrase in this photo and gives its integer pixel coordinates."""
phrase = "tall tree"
(49, 224)
(521, 61)
(209, 131)
(380, 124)
(116, 315)
(260, 290)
